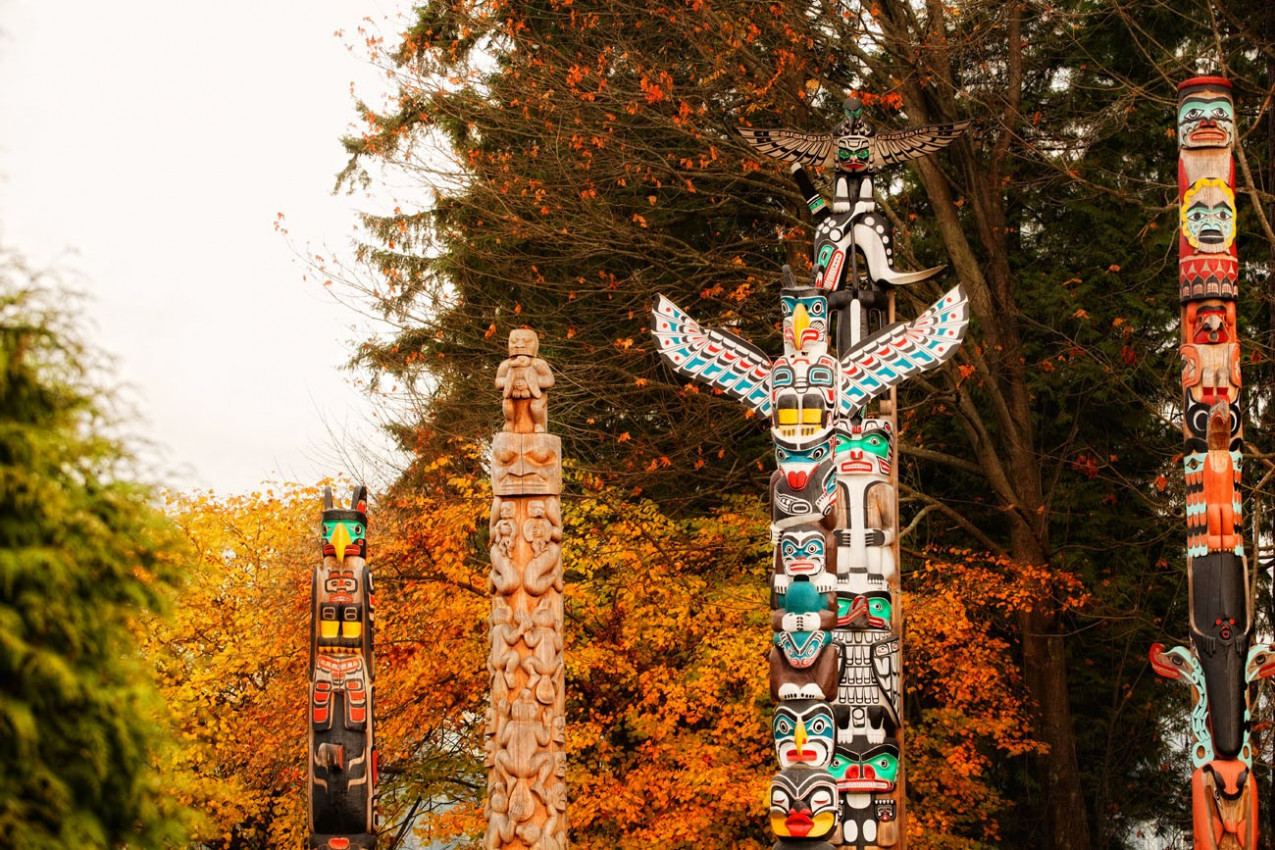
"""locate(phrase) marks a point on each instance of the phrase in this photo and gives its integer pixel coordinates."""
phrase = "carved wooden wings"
(791, 146)
(896, 353)
(742, 370)
(717, 358)
(913, 143)
(884, 149)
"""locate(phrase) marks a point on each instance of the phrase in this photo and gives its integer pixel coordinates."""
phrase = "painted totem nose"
(799, 740)
(340, 539)
(797, 480)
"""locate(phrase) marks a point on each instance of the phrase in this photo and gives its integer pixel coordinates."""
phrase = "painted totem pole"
(834, 668)
(342, 746)
(526, 722)
(1220, 665)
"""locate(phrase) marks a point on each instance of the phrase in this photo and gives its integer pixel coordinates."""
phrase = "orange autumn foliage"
(667, 629)
(968, 711)
(233, 665)
(231, 662)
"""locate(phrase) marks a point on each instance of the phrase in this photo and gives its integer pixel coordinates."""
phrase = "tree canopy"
(83, 552)
(581, 158)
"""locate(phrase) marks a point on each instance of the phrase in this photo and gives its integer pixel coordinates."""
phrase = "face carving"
(1211, 323)
(803, 392)
(853, 153)
(865, 447)
(1206, 119)
(526, 464)
(805, 483)
(805, 320)
(804, 732)
(1196, 419)
(344, 536)
(1208, 216)
(862, 767)
(523, 342)
(872, 610)
(803, 803)
(803, 550)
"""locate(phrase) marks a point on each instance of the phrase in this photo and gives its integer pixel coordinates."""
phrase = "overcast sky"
(147, 146)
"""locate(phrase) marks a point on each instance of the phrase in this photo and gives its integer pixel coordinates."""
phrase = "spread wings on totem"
(818, 149)
(901, 350)
(792, 146)
(742, 370)
(718, 358)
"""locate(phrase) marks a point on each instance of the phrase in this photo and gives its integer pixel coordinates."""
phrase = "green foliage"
(81, 553)
(593, 165)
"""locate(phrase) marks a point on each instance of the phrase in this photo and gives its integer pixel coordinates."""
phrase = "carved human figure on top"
(524, 377)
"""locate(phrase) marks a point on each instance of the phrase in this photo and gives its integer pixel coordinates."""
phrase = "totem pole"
(1220, 665)
(526, 722)
(342, 747)
(835, 667)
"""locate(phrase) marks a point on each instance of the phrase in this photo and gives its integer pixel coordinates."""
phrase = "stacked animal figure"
(1220, 664)
(342, 745)
(834, 667)
(526, 722)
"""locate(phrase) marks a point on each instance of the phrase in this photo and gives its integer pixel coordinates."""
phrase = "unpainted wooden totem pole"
(342, 746)
(835, 665)
(526, 722)
(1221, 664)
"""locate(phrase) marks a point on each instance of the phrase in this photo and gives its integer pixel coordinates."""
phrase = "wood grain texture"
(526, 720)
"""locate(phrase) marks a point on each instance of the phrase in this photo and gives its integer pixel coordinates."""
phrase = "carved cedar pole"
(526, 722)
(342, 763)
(1220, 664)
(835, 670)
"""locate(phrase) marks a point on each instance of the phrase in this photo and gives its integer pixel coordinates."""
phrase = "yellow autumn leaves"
(667, 630)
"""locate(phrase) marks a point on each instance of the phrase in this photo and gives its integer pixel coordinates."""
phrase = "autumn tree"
(232, 663)
(588, 161)
(82, 553)
(667, 629)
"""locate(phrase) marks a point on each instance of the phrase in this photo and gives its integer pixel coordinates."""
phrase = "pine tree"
(594, 165)
(81, 551)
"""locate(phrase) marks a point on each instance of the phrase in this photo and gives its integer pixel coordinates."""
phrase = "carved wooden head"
(523, 342)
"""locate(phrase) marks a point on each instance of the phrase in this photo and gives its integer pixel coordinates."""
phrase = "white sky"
(147, 146)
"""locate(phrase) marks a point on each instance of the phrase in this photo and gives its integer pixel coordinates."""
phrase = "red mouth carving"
(795, 755)
(1209, 133)
(799, 824)
(863, 786)
(797, 480)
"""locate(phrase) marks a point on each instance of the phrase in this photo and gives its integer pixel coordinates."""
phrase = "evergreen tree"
(81, 552)
(593, 164)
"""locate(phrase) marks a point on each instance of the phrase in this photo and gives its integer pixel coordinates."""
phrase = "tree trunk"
(1003, 437)
(1045, 665)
